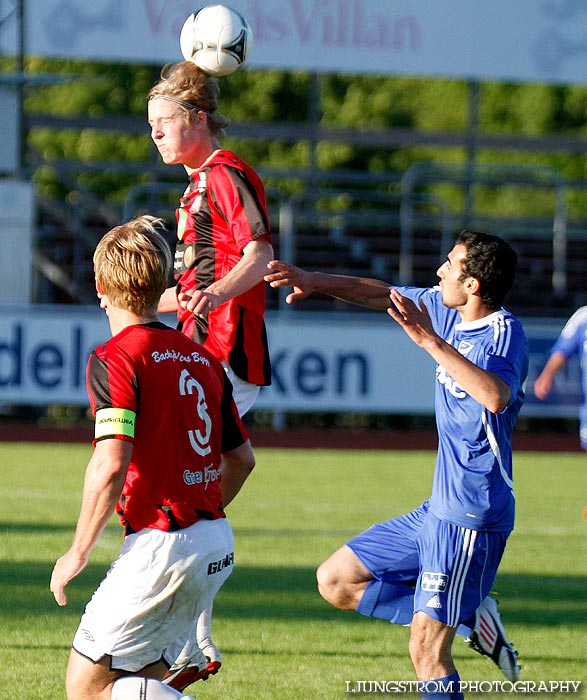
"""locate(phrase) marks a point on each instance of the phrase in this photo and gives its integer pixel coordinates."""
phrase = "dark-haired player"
(433, 568)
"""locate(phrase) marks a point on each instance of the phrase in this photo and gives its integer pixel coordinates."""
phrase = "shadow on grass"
(287, 591)
(291, 593)
(542, 600)
(24, 589)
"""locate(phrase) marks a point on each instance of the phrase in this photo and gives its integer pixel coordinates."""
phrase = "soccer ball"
(217, 39)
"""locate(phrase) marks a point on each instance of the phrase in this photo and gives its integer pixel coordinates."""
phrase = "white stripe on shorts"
(459, 575)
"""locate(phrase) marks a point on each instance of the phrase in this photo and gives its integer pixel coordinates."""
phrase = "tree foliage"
(335, 101)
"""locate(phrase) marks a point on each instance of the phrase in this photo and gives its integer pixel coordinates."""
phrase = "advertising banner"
(321, 362)
(524, 40)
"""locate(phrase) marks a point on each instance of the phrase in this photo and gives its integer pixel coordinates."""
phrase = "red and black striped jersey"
(171, 398)
(222, 210)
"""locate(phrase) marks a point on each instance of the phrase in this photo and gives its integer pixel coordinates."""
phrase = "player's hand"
(285, 275)
(415, 320)
(200, 302)
(66, 568)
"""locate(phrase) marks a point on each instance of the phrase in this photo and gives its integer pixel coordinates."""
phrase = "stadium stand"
(342, 230)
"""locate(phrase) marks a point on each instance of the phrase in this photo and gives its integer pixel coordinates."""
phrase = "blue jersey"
(473, 485)
(573, 341)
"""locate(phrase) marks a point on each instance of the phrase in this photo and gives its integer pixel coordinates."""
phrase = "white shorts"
(244, 393)
(157, 587)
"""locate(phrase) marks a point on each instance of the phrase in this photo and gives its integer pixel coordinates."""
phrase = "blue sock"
(388, 601)
(446, 688)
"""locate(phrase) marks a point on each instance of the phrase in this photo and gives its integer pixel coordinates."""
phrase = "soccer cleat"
(488, 638)
(180, 678)
(212, 654)
(181, 675)
(207, 664)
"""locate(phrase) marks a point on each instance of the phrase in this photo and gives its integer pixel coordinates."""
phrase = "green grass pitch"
(278, 637)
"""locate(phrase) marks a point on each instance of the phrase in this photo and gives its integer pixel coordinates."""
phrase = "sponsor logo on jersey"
(211, 474)
(201, 477)
(191, 478)
(449, 383)
(434, 581)
(215, 566)
(175, 355)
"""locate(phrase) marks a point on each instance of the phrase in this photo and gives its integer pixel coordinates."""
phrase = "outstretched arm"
(354, 290)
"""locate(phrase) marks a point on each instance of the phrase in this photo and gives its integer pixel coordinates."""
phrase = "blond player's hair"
(194, 91)
(132, 263)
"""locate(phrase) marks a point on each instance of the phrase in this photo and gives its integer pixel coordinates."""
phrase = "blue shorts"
(451, 568)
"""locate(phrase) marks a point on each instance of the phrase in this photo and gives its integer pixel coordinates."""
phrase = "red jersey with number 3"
(170, 397)
(222, 210)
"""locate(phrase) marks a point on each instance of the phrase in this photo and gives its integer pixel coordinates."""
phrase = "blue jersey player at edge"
(433, 568)
(572, 341)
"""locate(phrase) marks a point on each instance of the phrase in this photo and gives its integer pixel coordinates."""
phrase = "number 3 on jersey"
(199, 439)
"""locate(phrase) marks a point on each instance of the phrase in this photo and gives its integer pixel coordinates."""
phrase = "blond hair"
(132, 263)
(193, 90)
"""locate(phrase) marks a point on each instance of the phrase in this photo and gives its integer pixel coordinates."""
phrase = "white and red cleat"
(207, 664)
(488, 638)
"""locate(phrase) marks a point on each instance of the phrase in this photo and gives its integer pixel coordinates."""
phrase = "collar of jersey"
(479, 323)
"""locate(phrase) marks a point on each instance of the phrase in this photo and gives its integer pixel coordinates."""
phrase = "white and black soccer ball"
(217, 39)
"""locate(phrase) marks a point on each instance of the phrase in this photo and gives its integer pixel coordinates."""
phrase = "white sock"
(137, 688)
(203, 631)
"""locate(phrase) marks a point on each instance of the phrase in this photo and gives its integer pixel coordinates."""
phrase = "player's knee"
(331, 587)
(325, 582)
(328, 583)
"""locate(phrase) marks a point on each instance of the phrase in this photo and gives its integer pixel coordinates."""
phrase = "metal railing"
(376, 230)
(497, 174)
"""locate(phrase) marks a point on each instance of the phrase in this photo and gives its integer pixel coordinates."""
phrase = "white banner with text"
(525, 40)
(325, 362)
